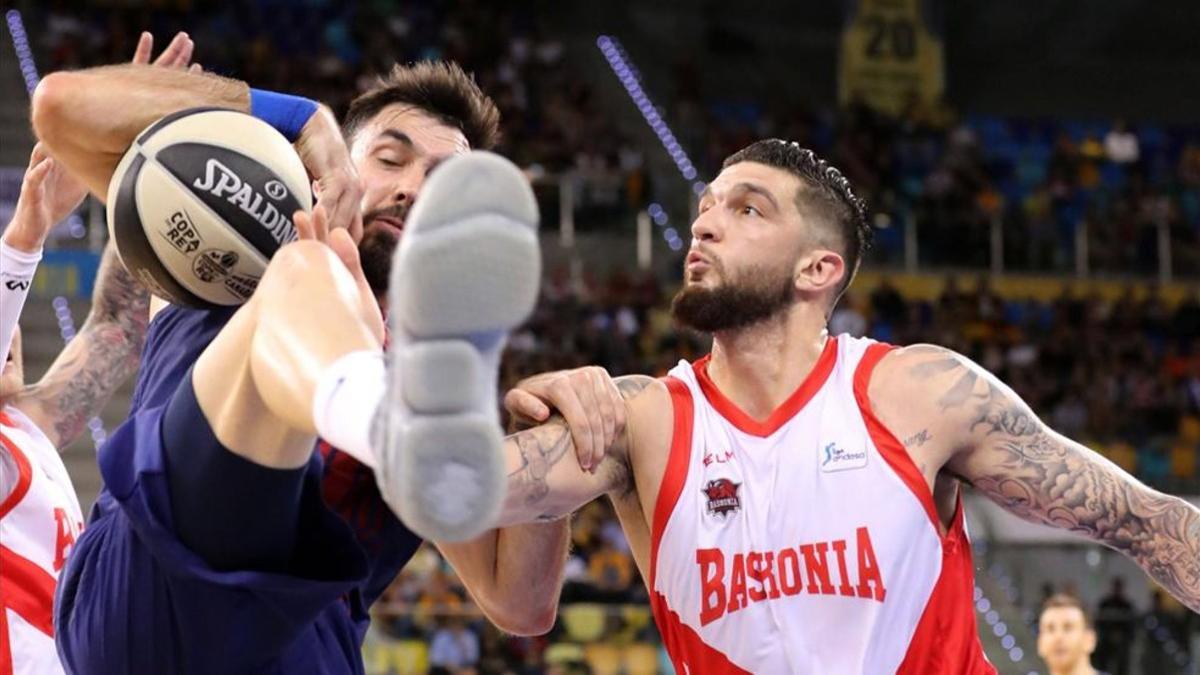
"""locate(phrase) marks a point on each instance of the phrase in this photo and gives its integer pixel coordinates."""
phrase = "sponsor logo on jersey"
(221, 181)
(723, 498)
(728, 585)
(840, 459)
(720, 457)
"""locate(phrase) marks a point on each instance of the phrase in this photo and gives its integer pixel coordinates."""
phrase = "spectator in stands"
(1166, 638)
(1115, 623)
(847, 319)
(1121, 144)
(454, 649)
(438, 598)
(1066, 638)
(888, 305)
(611, 571)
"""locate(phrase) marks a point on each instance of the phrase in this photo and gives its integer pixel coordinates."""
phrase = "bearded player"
(222, 542)
(780, 522)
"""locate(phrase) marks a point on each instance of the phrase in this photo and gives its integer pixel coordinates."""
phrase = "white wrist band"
(16, 276)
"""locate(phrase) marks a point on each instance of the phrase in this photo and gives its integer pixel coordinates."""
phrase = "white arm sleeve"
(16, 275)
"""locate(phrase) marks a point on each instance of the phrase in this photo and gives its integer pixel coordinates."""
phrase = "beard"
(752, 296)
(377, 246)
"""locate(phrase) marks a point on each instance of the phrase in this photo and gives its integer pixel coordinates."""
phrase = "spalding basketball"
(201, 201)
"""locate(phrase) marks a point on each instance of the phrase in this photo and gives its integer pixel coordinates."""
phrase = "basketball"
(201, 201)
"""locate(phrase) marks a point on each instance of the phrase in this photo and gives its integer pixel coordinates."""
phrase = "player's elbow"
(528, 625)
(52, 105)
(525, 616)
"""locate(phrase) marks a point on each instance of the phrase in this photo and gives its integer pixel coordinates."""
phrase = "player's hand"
(177, 55)
(316, 227)
(337, 185)
(48, 195)
(588, 400)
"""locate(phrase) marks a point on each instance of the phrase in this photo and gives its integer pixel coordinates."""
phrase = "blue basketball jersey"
(134, 599)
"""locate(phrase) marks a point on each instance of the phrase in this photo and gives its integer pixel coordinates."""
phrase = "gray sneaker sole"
(466, 272)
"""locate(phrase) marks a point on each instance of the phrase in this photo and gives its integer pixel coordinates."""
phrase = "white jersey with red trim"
(808, 542)
(39, 521)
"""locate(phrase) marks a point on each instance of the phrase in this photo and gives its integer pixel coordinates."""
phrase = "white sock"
(347, 394)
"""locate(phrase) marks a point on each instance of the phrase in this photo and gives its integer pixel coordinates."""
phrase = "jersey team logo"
(722, 496)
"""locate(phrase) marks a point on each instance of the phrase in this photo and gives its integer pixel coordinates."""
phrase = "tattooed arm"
(991, 439)
(101, 356)
(543, 487)
(515, 573)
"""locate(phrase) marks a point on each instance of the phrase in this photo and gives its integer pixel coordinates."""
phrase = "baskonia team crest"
(722, 496)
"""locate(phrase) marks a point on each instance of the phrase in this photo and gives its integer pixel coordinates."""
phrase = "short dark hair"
(440, 88)
(825, 195)
(1066, 600)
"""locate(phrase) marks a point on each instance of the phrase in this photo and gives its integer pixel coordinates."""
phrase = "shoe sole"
(466, 272)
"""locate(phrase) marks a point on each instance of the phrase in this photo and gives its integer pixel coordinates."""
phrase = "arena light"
(623, 67)
(991, 617)
(62, 309)
(1168, 644)
(16, 28)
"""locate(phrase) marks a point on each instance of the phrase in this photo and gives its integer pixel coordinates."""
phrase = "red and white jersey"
(39, 520)
(807, 543)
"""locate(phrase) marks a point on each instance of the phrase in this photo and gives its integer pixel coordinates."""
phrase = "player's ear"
(819, 270)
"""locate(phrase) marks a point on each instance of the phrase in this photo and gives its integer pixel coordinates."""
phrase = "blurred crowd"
(331, 51)
(1046, 184)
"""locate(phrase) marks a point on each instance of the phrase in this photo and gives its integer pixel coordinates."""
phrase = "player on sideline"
(40, 516)
(211, 548)
(1066, 637)
(779, 520)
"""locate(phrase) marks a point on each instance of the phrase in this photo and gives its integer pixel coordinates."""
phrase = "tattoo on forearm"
(1046, 478)
(541, 449)
(102, 356)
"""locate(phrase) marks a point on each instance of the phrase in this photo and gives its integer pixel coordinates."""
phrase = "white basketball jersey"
(39, 521)
(807, 543)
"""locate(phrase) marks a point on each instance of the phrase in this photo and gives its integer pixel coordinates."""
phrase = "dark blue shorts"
(134, 599)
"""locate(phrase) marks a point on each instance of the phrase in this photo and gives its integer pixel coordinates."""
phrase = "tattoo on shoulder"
(1043, 477)
(632, 385)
